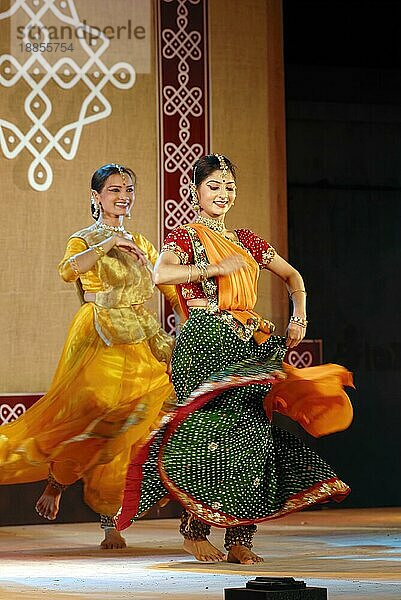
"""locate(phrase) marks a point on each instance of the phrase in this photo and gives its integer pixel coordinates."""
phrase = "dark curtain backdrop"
(347, 244)
(343, 115)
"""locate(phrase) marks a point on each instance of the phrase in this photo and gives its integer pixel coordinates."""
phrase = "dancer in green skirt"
(219, 454)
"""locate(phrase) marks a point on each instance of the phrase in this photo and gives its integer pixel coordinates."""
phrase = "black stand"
(275, 588)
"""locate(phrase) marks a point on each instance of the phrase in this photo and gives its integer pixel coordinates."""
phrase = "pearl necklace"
(114, 228)
(213, 224)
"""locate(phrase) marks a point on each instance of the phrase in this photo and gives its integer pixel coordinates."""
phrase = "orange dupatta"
(314, 397)
(237, 292)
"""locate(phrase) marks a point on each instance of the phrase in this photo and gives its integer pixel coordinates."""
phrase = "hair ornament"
(120, 170)
(222, 164)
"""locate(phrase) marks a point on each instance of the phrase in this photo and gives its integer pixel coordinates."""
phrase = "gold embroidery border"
(320, 492)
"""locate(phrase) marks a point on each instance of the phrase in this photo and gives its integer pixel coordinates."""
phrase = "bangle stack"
(99, 250)
(74, 266)
(299, 321)
(203, 273)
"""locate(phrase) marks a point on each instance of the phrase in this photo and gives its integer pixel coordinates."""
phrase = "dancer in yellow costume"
(112, 386)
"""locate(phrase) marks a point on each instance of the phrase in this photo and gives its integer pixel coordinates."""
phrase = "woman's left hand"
(126, 245)
(295, 335)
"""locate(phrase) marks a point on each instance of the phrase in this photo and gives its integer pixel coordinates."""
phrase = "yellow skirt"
(102, 404)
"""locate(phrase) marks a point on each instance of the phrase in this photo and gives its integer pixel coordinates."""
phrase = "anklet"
(107, 522)
(55, 484)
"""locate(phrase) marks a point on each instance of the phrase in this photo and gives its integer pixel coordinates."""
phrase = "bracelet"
(203, 274)
(99, 250)
(74, 266)
(299, 321)
(294, 291)
(189, 273)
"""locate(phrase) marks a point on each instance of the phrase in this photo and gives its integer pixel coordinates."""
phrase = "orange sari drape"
(313, 397)
(237, 292)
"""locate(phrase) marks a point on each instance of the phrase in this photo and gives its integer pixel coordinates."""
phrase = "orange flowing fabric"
(314, 397)
(103, 401)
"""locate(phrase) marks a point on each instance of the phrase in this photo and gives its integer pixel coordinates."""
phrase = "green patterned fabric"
(225, 462)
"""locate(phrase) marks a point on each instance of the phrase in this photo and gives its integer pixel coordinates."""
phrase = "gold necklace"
(115, 228)
(213, 224)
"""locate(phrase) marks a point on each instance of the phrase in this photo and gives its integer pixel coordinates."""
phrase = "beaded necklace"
(211, 224)
(219, 227)
(114, 228)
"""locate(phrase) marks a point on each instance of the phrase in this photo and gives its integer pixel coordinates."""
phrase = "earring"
(128, 214)
(194, 197)
(95, 208)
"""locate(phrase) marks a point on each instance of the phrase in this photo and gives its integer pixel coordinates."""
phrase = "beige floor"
(355, 554)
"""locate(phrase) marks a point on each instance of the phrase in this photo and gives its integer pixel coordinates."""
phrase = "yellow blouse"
(121, 287)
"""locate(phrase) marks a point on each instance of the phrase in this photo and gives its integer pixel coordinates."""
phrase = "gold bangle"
(295, 291)
(299, 321)
(200, 273)
(203, 275)
(99, 250)
(189, 273)
(74, 266)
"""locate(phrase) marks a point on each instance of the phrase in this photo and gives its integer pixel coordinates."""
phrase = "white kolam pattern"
(183, 98)
(67, 74)
(300, 359)
(9, 413)
(185, 101)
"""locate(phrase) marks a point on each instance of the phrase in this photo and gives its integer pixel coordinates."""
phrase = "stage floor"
(356, 554)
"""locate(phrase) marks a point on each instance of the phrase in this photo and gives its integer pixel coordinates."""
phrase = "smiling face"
(117, 196)
(216, 194)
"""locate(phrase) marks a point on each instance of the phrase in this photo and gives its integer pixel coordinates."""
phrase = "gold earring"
(194, 197)
(95, 208)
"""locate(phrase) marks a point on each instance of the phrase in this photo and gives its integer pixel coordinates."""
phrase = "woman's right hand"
(231, 264)
(126, 245)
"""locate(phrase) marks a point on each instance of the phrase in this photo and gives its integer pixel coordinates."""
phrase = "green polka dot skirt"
(219, 455)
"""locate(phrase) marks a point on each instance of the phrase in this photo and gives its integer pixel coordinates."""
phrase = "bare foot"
(113, 540)
(48, 504)
(203, 550)
(243, 555)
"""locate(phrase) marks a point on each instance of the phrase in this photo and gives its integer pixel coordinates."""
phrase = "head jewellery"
(120, 170)
(222, 164)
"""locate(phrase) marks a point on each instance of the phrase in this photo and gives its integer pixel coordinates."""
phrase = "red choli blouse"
(179, 242)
